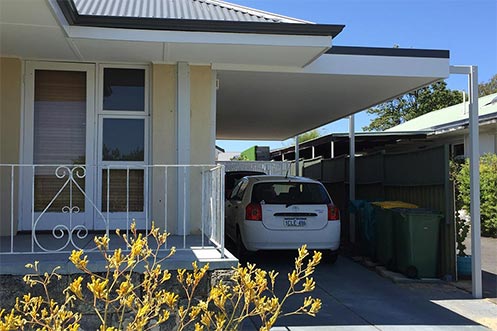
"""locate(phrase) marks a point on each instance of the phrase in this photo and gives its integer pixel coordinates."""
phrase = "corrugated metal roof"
(179, 9)
(446, 116)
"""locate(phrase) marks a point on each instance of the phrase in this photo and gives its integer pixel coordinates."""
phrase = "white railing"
(56, 208)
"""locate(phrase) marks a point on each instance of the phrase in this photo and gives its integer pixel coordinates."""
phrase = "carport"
(276, 77)
(277, 103)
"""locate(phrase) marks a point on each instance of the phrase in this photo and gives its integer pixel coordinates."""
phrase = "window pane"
(123, 139)
(124, 89)
(59, 135)
(294, 193)
(124, 192)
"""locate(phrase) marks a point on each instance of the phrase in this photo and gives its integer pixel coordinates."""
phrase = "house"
(450, 125)
(110, 108)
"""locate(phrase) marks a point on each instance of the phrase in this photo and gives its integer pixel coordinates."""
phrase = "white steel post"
(183, 145)
(297, 156)
(474, 159)
(352, 174)
(475, 184)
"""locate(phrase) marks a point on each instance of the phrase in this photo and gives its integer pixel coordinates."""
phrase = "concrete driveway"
(355, 297)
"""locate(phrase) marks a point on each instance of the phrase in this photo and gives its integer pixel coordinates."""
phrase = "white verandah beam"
(474, 161)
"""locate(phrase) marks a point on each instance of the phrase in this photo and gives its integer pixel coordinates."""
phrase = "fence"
(58, 206)
(420, 177)
(277, 168)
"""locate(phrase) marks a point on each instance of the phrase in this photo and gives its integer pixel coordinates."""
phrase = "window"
(290, 193)
(123, 139)
(239, 190)
(123, 89)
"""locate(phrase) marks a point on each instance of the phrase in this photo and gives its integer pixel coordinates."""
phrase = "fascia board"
(78, 32)
(361, 65)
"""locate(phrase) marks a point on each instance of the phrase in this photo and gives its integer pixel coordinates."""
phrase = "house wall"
(488, 143)
(10, 127)
(163, 131)
(202, 135)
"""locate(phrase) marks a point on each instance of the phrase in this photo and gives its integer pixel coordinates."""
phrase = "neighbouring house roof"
(450, 117)
(187, 15)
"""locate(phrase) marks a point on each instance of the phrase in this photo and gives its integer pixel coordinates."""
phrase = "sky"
(467, 28)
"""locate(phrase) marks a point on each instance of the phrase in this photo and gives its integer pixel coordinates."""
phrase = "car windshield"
(289, 193)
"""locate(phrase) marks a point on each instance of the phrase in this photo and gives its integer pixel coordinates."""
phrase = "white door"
(58, 189)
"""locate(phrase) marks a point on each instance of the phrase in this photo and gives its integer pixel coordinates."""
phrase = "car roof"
(272, 178)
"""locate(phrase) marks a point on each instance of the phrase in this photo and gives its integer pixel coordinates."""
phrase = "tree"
(309, 135)
(411, 105)
(239, 158)
(488, 87)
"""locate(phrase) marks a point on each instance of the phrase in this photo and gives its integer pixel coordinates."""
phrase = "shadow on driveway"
(353, 296)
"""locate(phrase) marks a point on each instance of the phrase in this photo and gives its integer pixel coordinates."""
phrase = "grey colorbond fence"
(419, 177)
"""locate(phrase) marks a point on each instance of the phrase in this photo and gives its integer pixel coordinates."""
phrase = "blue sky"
(468, 28)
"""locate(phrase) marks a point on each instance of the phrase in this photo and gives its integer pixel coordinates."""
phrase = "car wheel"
(241, 250)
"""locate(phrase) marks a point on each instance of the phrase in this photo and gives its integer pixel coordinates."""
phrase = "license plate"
(295, 222)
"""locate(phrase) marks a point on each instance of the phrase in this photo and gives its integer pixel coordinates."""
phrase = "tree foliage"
(239, 158)
(309, 135)
(411, 105)
(488, 192)
(488, 87)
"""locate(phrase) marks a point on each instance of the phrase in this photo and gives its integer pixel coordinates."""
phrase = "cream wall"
(164, 140)
(10, 127)
(202, 136)
(487, 141)
(163, 131)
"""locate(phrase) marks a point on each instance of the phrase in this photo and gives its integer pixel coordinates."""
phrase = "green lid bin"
(417, 241)
(385, 230)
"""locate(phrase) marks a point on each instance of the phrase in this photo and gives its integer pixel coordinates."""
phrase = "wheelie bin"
(417, 242)
(385, 232)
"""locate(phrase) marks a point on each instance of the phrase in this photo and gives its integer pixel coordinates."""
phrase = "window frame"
(100, 94)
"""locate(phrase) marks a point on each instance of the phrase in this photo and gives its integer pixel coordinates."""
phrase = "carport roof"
(276, 103)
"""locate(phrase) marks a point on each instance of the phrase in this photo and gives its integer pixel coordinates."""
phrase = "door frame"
(28, 216)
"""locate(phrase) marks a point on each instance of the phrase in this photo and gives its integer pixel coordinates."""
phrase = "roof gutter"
(72, 16)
